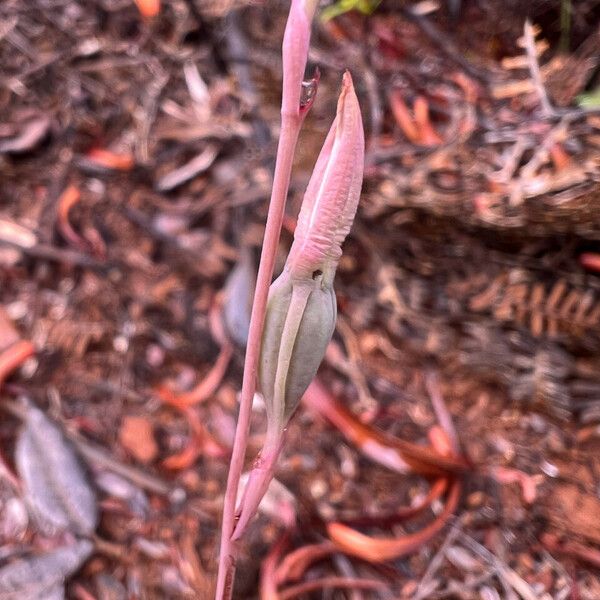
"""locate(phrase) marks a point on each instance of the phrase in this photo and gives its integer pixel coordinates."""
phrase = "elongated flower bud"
(296, 39)
(332, 194)
(301, 311)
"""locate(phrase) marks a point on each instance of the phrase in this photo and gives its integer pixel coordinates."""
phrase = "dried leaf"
(29, 136)
(56, 484)
(194, 167)
(16, 234)
(42, 577)
(137, 437)
(107, 159)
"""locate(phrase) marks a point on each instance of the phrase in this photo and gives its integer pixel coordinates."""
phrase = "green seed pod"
(299, 324)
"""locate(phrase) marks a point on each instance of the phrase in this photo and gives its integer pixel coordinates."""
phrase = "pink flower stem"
(290, 129)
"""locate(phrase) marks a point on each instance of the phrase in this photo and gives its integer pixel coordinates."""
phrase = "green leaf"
(589, 100)
(366, 7)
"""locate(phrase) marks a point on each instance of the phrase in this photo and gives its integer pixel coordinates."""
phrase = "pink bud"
(332, 194)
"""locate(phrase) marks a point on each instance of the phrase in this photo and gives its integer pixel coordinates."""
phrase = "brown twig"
(509, 578)
(60, 255)
(441, 410)
(436, 562)
(534, 69)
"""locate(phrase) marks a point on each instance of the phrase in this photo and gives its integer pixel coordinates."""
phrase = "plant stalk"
(290, 129)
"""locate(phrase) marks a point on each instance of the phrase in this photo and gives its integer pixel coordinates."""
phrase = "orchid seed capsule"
(299, 325)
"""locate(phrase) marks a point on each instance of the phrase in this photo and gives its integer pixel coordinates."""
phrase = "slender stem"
(290, 128)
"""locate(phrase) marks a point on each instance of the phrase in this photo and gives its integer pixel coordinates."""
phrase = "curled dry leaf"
(374, 549)
(42, 577)
(56, 485)
(91, 240)
(396, 454)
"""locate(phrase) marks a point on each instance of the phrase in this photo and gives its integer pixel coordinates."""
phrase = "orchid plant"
(293, 319)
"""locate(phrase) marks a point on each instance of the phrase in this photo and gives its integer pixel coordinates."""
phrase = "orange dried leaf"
(111, 160)
(205, 388)
(69, 198)
(427, 134)
(201, 443)
(559, 157)
(384, 549)
(268, 580)
(440, 440)
(91, 240)
(590, 261)
(398, 455)
(295, 563)
(137, 437)
(403, 117)
(13, 357)
(148, 8)
(184, 459)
